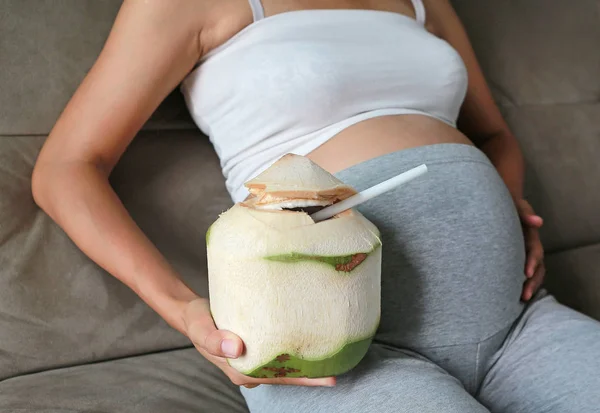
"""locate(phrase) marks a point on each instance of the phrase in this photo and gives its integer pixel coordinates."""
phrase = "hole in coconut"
(312, 209)
(308, 209)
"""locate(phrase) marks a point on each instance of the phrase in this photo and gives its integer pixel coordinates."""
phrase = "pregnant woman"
(366, 89)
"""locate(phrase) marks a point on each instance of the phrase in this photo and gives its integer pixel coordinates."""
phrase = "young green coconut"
(303, 296)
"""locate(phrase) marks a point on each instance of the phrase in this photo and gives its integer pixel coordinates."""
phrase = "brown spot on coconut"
(282, 358)
(281, 371)
(354, 262)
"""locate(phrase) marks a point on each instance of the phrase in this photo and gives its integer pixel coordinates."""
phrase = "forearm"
(504, 152)
(79, 198)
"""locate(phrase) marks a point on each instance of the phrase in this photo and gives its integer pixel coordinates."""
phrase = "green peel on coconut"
(303, 296)
(286, 365)
(345, 263)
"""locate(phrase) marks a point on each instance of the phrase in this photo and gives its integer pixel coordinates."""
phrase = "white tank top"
(289, 82)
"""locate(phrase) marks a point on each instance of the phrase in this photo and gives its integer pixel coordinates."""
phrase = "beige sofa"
(73, 339)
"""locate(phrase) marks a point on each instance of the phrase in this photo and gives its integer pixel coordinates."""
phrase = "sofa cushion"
(536, 52)
(574, 277)
(174, 382)
(561, 145)
(57, 307)
(542, 63)
(46, 48)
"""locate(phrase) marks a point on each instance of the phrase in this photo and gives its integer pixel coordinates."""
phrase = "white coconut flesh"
(296, 181)
(303, 296)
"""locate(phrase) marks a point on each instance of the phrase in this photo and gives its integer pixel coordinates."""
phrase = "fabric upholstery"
(46, 48)
(58, 308)
(63, 321)
(169, 382)
(574, 277)
(561, 144)
(542, 64)
(535, 52)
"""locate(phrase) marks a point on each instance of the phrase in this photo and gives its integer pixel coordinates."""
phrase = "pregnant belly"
(453, 251)
(382, 135)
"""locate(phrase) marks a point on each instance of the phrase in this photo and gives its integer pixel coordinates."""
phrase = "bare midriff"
(382, 135)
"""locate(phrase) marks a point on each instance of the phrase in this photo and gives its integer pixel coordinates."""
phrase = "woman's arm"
(151, 47)
(480, 119)
(482, 122)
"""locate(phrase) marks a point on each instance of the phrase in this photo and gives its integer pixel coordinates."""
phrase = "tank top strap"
(258, 12)
(419, 10)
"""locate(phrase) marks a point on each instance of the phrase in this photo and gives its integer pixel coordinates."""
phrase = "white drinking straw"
(369, 193)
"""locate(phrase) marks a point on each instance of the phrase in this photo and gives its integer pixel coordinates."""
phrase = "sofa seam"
(83, 363)
(575, 247)
(42, 134)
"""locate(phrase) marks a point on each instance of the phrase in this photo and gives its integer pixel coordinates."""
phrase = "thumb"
(222, 343)
(204, 334)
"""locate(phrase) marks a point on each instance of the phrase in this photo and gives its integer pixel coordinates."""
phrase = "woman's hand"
(534, 264)
(215, 345)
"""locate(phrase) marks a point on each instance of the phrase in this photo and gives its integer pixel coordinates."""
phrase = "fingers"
(531, 223)
(524, 208)
(535, 251)
(216, 345)
(534, 283)
(324, 382)
(534, 221)
(534, 265)
(251, 383)
(202, 331)
(528, 215)
(534, 257)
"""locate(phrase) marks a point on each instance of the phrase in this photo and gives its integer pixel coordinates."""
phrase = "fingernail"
(229, 348)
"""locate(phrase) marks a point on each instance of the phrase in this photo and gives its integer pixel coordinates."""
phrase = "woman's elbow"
(55, 183)
(41, 182)
(48, 180)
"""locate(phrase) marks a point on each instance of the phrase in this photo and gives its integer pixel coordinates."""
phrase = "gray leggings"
(454, 336)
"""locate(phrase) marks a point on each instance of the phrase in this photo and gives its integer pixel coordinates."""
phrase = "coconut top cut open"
(295, 181)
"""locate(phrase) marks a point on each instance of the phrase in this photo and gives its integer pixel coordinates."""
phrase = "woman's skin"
(153, 45)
